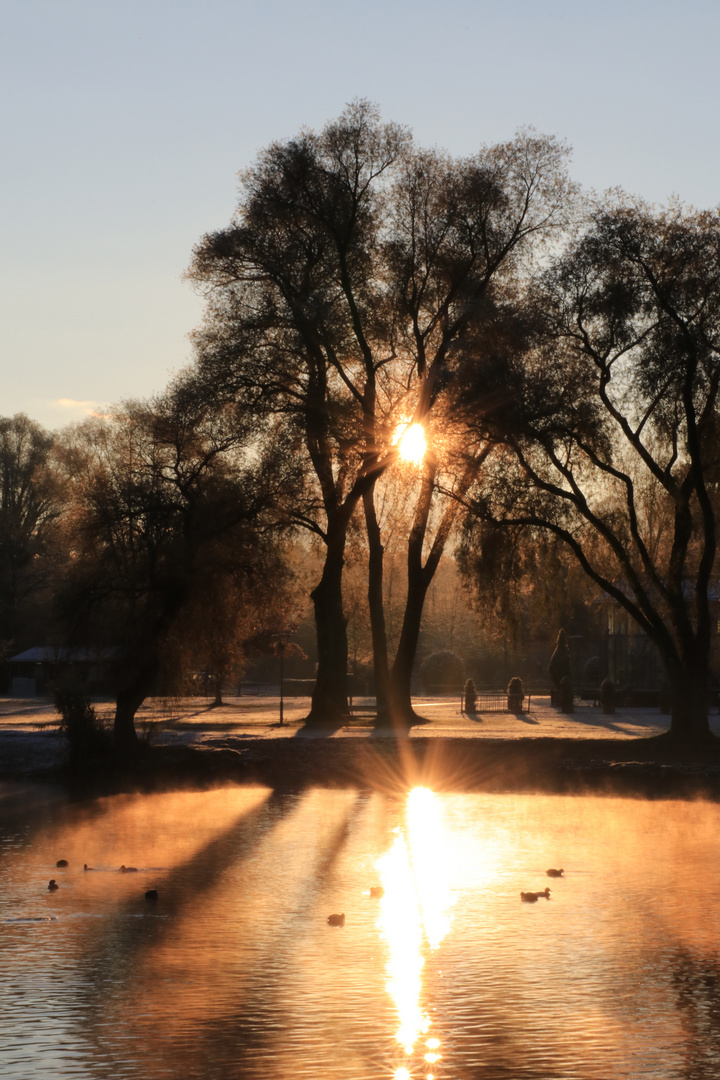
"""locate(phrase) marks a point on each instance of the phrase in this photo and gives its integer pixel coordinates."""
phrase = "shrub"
(607, 696)
(515, 694)
(442, 671)
(88, 740)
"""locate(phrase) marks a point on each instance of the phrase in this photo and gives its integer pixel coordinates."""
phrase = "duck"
(86, 867)
(53, 885)
(151, 894)
(554, 873)
(128, 869)
(377, 891)
(61, 862)
(533, 897)
(336, 920)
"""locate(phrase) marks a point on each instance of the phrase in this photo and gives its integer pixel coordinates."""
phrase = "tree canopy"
(606, 424)
(168, 498)
(338, 298)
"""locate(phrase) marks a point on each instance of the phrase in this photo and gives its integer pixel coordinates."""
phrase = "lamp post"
(282, 640)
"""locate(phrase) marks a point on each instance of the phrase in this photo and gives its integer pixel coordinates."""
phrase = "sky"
(124, 125)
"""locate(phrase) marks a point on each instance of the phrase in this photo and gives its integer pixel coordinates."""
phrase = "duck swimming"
(377, 891)
(128, 869)
(554, 873)
(336, 920)
(53, 885)
(61, 862)
(151, 894)
(533, 897)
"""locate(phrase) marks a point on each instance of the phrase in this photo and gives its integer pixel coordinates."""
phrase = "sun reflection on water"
(416, 877)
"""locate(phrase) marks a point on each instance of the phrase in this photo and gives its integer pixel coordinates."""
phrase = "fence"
(495, 702)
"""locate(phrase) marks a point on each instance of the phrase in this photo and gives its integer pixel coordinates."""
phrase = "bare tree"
(298, 324)
(354, 268)
(30, 502)
(166, 495)
(608, 431)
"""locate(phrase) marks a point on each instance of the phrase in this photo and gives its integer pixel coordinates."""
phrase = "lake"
(234, 972)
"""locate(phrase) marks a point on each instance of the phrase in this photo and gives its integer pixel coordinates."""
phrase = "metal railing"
(495, 702)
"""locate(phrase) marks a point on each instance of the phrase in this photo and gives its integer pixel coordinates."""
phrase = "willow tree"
(353, 268)
(609, 435)
(462, 237)
(298, 325)
(165, 498)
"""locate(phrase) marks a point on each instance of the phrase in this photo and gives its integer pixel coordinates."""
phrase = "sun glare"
(413, 916)
(410, 441)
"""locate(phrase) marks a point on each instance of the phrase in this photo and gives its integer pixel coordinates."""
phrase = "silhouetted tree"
(297, 324)
(338, 297)
(462, 235)
(608, 435)
(30, 502)
(164, 493)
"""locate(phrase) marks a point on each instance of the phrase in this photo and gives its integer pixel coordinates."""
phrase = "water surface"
(234, 971)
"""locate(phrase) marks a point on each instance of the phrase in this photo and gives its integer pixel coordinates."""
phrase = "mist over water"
(235, 972)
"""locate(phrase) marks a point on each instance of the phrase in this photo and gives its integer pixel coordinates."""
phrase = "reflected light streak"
(429, 853)
(401, 925)
(415, 876)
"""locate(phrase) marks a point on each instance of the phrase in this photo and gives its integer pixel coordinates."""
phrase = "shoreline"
(643, 768)
(199, 746)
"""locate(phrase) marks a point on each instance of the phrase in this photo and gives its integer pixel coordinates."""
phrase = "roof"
(63, 654)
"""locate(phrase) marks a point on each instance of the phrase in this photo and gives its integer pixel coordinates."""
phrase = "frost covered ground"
(29, 736)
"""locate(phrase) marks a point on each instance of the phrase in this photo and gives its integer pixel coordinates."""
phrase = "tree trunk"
(136, 680)
(689, 692)
(403, 714)
(419, 579)
(329, 699)
(377, 610)
(124, 735)
(219, 680)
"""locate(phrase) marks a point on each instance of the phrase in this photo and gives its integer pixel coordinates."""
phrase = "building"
(36, 671)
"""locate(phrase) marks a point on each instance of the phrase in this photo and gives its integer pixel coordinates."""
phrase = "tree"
(30, 502)
(236, 596)
(463, 235)
(607, 434)
(353, 269)
(165, 495)
(297, 325)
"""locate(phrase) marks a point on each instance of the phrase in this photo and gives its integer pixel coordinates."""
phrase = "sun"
(410, 441)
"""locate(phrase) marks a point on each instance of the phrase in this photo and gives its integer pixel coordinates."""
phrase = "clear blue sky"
(125, 122)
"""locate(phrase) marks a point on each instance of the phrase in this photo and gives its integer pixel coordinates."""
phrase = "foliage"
(608, 427)
(337, 299)
(88, 740)
(515, 694)
(30, 502)
(171, 503)
(469, 696)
